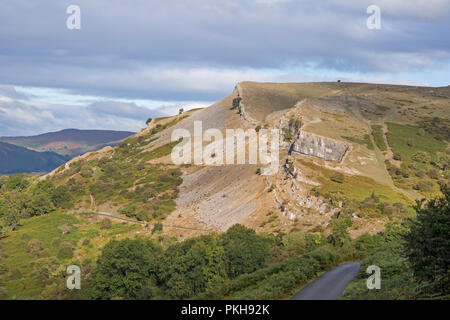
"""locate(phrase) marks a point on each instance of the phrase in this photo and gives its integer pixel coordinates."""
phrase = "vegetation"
(427, 244)
(291, 129)
(378, 136)
(364, 140)
(413, 256)
(424, 159)
(238, 264)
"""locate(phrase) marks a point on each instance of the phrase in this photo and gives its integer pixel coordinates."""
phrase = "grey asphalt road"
(331, 284)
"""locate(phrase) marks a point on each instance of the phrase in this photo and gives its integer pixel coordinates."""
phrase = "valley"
(353, 159)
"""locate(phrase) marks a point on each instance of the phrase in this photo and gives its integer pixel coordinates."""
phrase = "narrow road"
(331, 284)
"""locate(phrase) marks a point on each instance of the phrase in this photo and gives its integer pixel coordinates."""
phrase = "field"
(407, 140)
(39, 249)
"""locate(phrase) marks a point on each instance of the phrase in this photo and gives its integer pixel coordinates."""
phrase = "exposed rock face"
(313, 145)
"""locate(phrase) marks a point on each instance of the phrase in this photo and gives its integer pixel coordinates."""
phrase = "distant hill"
(15, 159)
(70, 142)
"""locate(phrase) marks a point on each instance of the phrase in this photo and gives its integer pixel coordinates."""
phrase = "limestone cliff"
(314, 145)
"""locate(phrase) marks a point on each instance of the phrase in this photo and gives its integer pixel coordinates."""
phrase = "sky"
(135, 59)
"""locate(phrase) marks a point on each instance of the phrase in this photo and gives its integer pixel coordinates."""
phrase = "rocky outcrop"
(314, 145)
(240, 106)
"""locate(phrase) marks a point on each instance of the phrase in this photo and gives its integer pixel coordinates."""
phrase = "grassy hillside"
(39, 251)
(310, 215)
(128, 180)
(14, 159)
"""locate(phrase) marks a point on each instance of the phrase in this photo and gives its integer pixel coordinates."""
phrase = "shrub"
(157, 227)
(86, 172)
(105, 224)
(397, 156)
(65, 229)
(424, 186)
(15, 274)
(65, 252)
(35, 246)
(337, 177)
(433, 173)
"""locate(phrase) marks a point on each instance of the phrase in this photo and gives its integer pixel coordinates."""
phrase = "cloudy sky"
(138, 58)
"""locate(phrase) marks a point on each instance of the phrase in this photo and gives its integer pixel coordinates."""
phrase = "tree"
(192, 266)
(245, 251)
(339, 234)
(61, 197)
(40, 204)
(127, 269)
(17, 182)
(15, 208)
(428, 243)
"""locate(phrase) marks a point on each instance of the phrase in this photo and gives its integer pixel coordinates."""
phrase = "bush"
(105, 224)
(337, 177)
(65, 252)
(434, 173)
(397, 156)
(424, 186)
(35, 246)
(15, 274)
(86, 172)
(157, 227)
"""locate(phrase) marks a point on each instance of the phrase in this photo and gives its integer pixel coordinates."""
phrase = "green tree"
(40, 204)
(17, 182)
(192, 266)
(127, 269)
(245, 251)
(15, 208)
(339, 234)
(428, 243)
(61, 197)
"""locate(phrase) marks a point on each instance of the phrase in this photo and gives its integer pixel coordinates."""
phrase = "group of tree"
(142, 269)
(412, 253)
(22, 197)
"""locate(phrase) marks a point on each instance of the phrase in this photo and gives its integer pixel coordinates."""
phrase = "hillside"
(365, 149)
(353, 158)
(70, 142)
(15, 159)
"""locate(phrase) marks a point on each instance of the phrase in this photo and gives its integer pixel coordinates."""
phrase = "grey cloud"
(18, 117)
(158, 49)
(122, 110)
